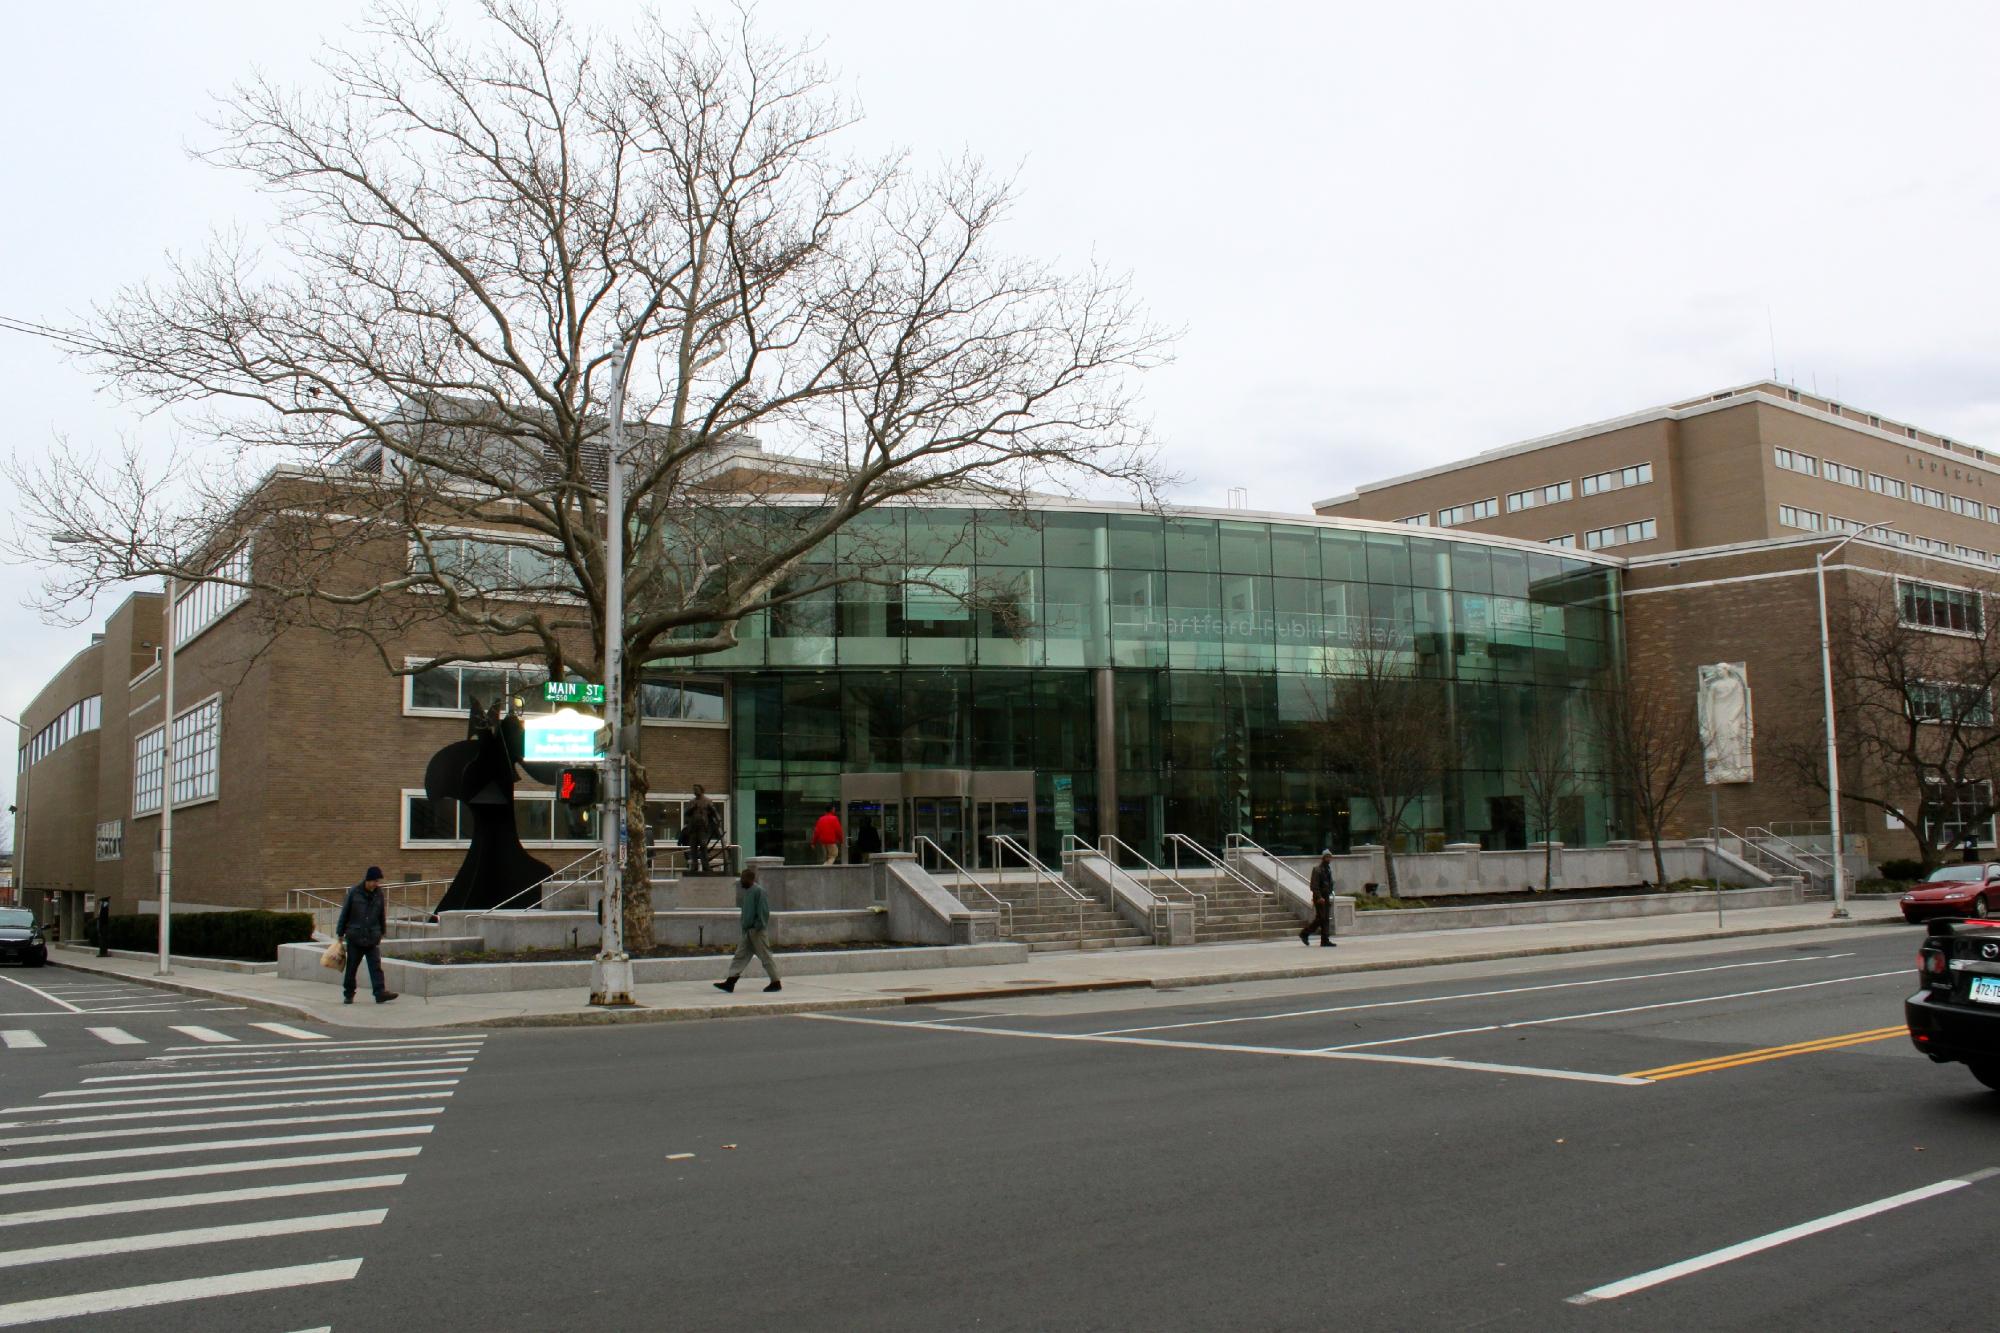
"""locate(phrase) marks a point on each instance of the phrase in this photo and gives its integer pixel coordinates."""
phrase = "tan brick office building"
(1719, 506)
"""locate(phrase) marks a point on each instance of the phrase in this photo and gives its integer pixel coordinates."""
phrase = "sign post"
(1065, 804)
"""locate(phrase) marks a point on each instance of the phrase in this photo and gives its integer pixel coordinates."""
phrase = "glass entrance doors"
(957, 810)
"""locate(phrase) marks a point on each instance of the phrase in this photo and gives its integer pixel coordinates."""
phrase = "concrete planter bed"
(300, 962)
(1395, 921)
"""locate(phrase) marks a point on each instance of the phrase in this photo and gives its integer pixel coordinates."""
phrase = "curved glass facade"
(1154, 675)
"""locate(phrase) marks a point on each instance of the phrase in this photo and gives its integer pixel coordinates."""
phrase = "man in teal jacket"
(755, 910)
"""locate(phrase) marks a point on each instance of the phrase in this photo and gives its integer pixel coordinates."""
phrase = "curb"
(781, 1008)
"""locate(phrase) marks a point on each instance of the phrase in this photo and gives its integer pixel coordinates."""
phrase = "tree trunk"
(638, 881)
(1389, 862)
(1548, 862)
(1659, 861)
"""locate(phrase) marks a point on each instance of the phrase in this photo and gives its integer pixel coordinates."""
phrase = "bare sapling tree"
(1389, 730)
(397, 405)
(1652, 749)
(1915, 667)
(1549, 778)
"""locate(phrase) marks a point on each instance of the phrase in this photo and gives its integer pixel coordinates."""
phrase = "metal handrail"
(1179, 840)
(1242, 842)
(1763, 857)
(1006, 843)
(1201, 899)
(1804, 855)
(540, 886)
(1006, 908)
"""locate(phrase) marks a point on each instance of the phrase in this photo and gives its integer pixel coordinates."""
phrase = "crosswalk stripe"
(277, 1069)
(116, 1036)
(97, 1135)
(204, 1199)
(183, 1095)
(49, 1122)
(334, 1075)
(169, 1293)
(328, 1046)
(20, 1039)
(205, 1169)
(204, 1034)
(220, 1145)
(173, 1240)
(285, 1031)
(210, 1054)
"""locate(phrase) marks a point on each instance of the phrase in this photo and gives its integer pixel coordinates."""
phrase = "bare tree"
(1389, 728)
(1915, 668)
(1548, 777)
(1652, 749)
(400, 405)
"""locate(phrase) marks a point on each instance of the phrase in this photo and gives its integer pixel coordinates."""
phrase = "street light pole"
(167, 792)
(1832, 740)
(611, 972)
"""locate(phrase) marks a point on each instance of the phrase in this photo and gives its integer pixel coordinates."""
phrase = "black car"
(20, 938)
(1956, 1014)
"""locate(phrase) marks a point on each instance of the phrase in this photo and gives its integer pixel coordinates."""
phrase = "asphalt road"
(1470, 1146)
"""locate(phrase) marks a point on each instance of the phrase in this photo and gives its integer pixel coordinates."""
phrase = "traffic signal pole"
(611, 971)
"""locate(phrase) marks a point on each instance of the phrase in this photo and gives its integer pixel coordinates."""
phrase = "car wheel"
(1979, 905)
(38, 960)
(1987, 1072)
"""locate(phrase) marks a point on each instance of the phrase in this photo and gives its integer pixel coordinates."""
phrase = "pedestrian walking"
(867, 841)
(364, 920)
(1322, 896)
(827, 836)
(754, 909)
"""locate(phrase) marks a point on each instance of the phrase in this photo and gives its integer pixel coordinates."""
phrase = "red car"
(1961, 890)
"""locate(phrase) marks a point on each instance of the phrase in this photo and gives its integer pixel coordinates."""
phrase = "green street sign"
(1065, 803)
(572, 692)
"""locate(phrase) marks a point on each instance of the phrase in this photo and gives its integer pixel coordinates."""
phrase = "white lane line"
(1293, 1052)
(1463, 995)
(1626, 1286)
(116, 1036)
(174, 1240)
(20, 1039)
(183, 1096)
(1628, 1009)
(277, 1069)
(206, 1169)
(203, 1034)
(338, 1080)
(219, 1145)
(204, 1199)
(169, 1293)
(213, 1126)
(52, 999)
(214, 1110)
(285, 1031)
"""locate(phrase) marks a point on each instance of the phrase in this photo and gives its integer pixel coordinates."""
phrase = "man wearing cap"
(364, 920)
(1322, 895)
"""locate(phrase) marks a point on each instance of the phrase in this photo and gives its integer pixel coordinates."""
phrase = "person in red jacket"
(827, 836)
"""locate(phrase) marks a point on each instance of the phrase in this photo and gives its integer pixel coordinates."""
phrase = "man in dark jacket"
(754, 915)
(1322, 895)
(364, 920)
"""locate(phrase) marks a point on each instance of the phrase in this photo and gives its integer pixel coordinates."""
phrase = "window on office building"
(1845, 475)
(1567, 541)
(1416, 521)
(1924, 495)
(1962, 808)
(1967, 508)
(1888, 486)
(1537, 496)
(1638, 474)
(1792, 461)
(1468, 513)
(1948, 701)
(1806, 519)
(1624, 534)
(1930, 606)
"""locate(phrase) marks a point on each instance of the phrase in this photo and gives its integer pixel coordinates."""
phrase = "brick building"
(1719, 506)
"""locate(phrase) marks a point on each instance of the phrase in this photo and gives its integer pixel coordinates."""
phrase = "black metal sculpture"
(479, 771)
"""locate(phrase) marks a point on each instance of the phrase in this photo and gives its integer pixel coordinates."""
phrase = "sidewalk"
(1044, 973)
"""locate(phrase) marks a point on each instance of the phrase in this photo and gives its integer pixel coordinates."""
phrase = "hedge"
(250, 936)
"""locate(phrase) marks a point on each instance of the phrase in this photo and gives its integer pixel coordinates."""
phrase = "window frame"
(1978, 603)
(167, 780)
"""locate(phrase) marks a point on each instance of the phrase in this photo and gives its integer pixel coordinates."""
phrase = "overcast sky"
(1393, 234)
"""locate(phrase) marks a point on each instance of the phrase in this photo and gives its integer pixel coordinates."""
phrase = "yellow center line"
(1740, 1058)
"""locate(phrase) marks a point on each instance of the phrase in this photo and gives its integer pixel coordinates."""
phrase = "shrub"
(250, 936)
(1905, 871)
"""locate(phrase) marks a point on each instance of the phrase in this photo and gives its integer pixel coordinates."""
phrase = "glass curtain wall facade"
(1203, 651)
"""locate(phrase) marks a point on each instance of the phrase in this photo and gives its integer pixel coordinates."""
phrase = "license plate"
(1985, 990)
